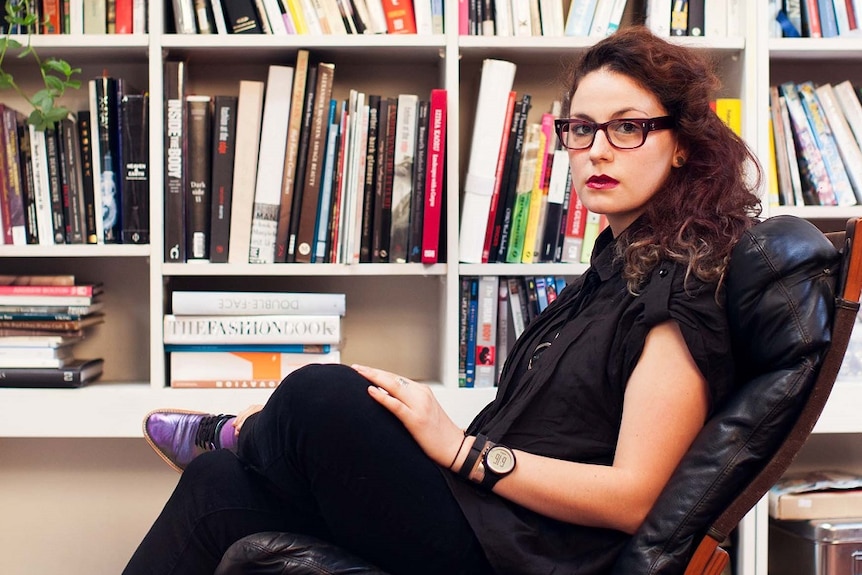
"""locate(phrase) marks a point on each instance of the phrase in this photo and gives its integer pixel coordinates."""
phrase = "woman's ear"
(679, 157)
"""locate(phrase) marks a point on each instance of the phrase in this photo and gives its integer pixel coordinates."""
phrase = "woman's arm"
(665, 405)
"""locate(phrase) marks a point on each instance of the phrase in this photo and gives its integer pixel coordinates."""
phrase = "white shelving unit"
(401, 317)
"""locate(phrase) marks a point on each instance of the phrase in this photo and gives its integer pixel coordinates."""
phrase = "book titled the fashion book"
(250, 369)
(309, 329)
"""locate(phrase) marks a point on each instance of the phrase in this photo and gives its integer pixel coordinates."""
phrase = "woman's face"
(619, 183)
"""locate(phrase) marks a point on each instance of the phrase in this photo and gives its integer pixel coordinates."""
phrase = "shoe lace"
(208, 428)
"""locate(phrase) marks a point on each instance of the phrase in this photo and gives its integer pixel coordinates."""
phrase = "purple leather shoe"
(178, 436)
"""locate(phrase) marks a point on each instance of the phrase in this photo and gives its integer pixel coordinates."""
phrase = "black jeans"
(324, 459)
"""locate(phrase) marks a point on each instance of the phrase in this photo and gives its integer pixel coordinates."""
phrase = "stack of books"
(41, 319)
(249, 339)
(493, 313)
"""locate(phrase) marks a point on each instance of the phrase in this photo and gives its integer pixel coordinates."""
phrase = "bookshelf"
(401, 317)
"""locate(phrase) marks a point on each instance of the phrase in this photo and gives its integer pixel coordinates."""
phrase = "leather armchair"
(782, 303)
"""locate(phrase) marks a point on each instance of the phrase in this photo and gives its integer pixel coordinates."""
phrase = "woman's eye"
(582, 129)
(627, 128)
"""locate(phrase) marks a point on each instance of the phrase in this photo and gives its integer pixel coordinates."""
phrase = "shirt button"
(662, 272)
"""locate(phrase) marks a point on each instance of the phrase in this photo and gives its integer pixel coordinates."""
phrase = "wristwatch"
(498, 461)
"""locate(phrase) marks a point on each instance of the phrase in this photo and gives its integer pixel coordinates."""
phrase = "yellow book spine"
(773, 169)
(535, 204)
(298, 17)
(730, 111)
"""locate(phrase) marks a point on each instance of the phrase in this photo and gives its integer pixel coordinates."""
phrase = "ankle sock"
(227, 435)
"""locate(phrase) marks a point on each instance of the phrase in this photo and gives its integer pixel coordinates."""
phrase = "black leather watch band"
(473, 456)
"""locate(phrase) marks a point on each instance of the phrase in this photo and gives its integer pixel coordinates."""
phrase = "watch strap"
(473, 455)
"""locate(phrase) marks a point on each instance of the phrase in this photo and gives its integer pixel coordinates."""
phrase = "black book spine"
(109, 160)
(175, 159)
(380, 181)
(241, 17)
(58, 212)
(696, 18)
(374, 103)
(387, 169)
(27, 185)
(221, 180)
(87, 180)
(136, 168)
(502, 199)
(75, 218)
(506, 208)
(301, 161)
(63, 176)
(420, 165)
(198, 183)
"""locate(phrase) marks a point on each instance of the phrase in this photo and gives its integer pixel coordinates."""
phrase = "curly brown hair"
(704, 206)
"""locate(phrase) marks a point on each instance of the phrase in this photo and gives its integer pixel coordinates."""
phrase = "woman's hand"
(243, 415)
(420, 412)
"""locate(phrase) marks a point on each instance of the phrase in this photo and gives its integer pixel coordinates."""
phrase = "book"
(248, 120)
(730, 112)
(76, 374)
(291, 150)
(12, 353)
(87, 290)
(58, 325)
(25, 342)
(715, 17)
(86, 153)
(258, 347)
(28, 192)
(658, 17)
(184, 17)
(368, 184)
(308, 109)
(848, 147)
(825, 141)
(314, 163)
(496, 82)
(198, 188)
(815, 179)
(696, 18)
(134, 113)
(380, 239)
(55, 187)
(15, 227)
(504, 156)
(269, 329)
(49, 312)
(239, 369)
(41, 191)
(580, 17)
(325, 205)
(175, 161)
(420, 168)
(106, 157)
(679, 18)
(786, 195)
(558, 186)
(203, 17)
(800, 195)
(222, 156)
(486, 332)
(434, 184)
(601, 18)
(402, 180)
(71, 177)
(241, 17)
(472, 323)
(538, 192)
(400, 17)
(45, 300)
(508, 191)
(524, 192)
(817, 494)
(38, 280)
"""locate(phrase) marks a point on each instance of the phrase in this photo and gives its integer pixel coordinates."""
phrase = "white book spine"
(256, 303)
(44, 300)
(715, 18)
(76, 17)
(218, 16)
(378, 16)
(498, 76)
(333, 17)
(361, 166)
(846, 95)
(486, 332)
(851, 155)
(139, 16)
(273, 142)
(275, 18)
(734, 18)
(790, 147)
(518, 320)
(312, 18)
(260, 329)
(184, 17)
(601, 18)
(503, 17)
(521, 19)
(580, 17)
(422, 14)
(41, 189)
(249, 111)
(616, 16)
(658, 17)
(326, 191)
(842, 18)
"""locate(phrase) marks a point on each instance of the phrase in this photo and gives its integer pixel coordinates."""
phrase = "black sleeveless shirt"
(568, 405)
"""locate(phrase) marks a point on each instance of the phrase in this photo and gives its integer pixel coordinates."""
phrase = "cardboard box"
(817, 495)
(816, 547)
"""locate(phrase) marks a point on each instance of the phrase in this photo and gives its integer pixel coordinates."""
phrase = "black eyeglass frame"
(647, 125)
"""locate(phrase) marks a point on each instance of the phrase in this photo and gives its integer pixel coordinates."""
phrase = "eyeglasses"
(623, 133)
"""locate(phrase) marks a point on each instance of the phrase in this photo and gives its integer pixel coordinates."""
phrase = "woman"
(558, 471)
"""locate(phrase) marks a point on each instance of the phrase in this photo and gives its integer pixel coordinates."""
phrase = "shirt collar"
(604, 258)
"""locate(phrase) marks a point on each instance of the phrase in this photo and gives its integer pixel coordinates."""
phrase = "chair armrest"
(271, 553)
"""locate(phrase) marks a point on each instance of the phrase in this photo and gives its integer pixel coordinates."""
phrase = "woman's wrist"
(463, 453)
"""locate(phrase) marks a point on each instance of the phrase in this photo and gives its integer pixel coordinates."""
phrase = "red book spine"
(498, 178)
(80, 290)
(124, 17)
(434, 185)
(400, 18)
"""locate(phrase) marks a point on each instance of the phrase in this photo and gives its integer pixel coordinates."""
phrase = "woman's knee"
(321, 384)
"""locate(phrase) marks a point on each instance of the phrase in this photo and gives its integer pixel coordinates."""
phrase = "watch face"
(500, 460)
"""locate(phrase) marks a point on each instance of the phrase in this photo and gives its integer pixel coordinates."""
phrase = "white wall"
(77, 506)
